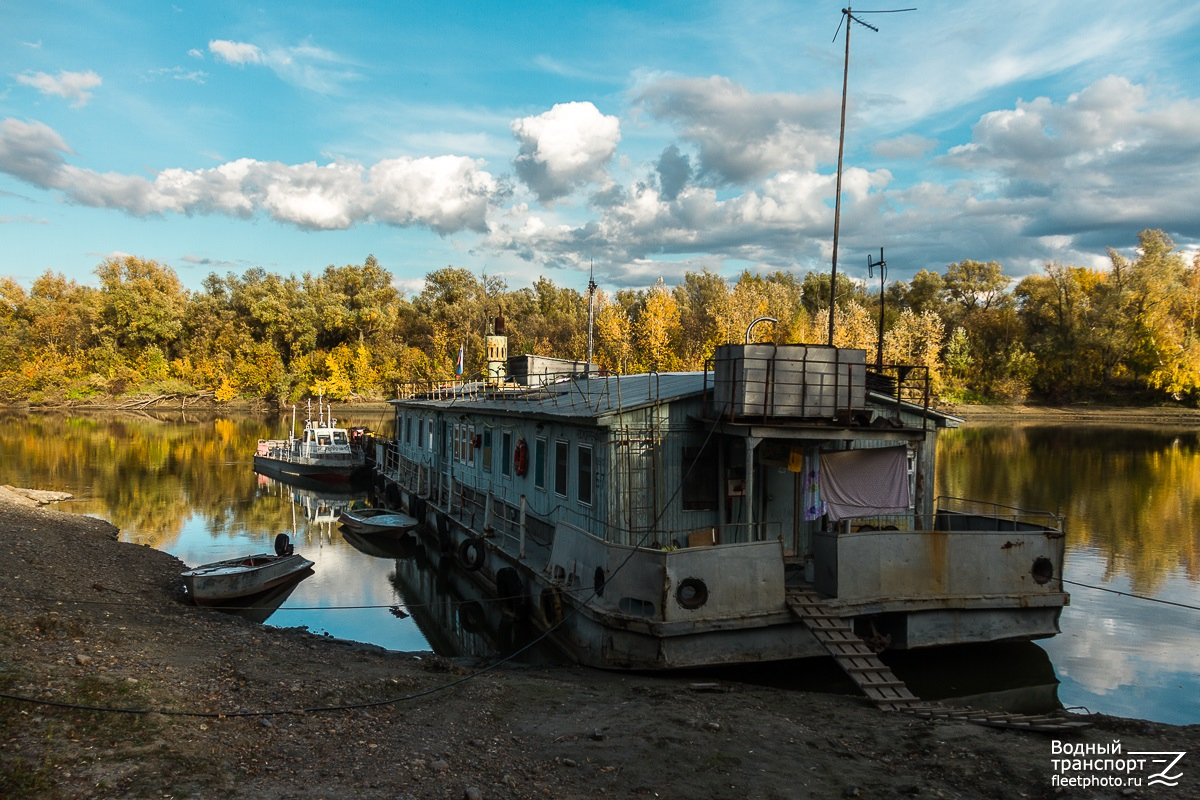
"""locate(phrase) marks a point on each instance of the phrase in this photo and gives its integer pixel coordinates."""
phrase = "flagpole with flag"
(458, 365)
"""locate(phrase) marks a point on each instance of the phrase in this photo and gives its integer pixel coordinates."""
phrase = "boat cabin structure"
(670, 520)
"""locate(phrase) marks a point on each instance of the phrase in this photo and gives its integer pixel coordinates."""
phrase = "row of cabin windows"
(461, 441)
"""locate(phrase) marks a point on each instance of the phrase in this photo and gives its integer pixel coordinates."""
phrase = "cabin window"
(701, 478)
(408, 429)
(487, 449)
(340, 438)
(560, 468)
(584, 467)
(446, 429)
(323, 441)
(506, 454)
(464, 444)
(539, 463)
(420, 432)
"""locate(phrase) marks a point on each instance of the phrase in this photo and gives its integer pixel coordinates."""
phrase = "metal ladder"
(889, 693)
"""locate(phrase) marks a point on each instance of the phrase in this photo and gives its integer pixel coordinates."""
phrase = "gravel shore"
(211, 705)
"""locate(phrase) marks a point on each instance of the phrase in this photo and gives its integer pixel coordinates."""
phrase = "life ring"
(471, 554)
(552, 605)
(521, 458)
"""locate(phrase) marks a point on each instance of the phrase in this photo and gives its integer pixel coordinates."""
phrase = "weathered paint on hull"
(612, 639)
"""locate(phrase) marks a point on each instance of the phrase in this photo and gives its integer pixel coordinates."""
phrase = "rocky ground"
(202, 704)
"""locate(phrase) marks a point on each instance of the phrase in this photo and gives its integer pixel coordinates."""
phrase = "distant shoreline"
(973, 415)
(1165, 416)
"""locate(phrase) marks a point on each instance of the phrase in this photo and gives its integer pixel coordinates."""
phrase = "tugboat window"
(539, 463)
(560, 468)
(487, 450)
(585, 475)
(506, 453)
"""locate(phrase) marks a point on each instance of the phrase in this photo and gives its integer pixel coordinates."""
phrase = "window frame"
(539, 462)
(562, 467)
(585, 477)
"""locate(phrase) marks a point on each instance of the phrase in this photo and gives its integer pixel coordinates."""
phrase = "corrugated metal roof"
(576, 398)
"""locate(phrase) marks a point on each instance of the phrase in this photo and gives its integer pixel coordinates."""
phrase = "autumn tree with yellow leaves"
(1070, 332)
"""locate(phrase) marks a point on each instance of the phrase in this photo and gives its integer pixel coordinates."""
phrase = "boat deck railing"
(476, 503)
(572, 389)
(960, 515)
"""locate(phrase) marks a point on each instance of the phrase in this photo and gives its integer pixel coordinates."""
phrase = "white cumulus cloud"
(74, 86)
(564, 148)
(446, 194)
(740, 135)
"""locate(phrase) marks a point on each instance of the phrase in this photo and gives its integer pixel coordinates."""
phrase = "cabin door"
(780, 511)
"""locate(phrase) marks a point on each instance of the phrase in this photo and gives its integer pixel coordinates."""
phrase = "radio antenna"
(848, 16)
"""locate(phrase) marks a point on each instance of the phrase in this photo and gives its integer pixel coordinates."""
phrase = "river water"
(184, 483)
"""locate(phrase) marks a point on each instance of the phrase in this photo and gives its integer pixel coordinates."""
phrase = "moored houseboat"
(671, 520)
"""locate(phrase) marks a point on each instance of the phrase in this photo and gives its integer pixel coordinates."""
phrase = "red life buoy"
(521, 458)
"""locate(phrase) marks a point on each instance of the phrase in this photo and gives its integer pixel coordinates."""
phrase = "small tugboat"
(323, 451)
(236, 578)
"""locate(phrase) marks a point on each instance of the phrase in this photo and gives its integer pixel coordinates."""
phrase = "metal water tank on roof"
(788, 380)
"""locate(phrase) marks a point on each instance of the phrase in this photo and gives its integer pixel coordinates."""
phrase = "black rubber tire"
(471, 554)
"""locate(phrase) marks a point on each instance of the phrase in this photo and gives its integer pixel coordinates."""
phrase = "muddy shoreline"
(246, 711)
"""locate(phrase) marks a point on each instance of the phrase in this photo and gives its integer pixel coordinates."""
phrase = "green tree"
(141, 304)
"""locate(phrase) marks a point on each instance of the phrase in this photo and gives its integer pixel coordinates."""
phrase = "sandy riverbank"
(93, 621)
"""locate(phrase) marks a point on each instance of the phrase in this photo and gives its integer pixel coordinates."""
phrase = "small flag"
(458, 365)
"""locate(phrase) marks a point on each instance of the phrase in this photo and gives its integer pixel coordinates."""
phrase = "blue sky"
(530, 139)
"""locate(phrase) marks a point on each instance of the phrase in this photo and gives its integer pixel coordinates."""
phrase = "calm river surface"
(183, 483)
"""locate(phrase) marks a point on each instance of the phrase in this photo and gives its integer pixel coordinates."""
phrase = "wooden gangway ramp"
(884, 689)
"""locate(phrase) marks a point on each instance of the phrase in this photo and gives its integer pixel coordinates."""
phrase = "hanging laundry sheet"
(806, 461)
(863, 483)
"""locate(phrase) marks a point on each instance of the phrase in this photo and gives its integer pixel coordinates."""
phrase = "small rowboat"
(377, 520)
(236, 578)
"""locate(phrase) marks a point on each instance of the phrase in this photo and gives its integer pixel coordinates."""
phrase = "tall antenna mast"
(848, 17)
(587, 370)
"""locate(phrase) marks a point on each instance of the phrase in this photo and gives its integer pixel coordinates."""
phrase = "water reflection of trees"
(149, 474)
(1132, 495)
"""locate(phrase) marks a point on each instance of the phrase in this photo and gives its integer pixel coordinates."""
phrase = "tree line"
(1069, 333)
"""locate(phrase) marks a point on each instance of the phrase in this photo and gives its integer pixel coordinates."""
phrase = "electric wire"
(1133, 595)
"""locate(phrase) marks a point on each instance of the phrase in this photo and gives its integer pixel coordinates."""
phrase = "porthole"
(692, 593)
(1043, 570)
